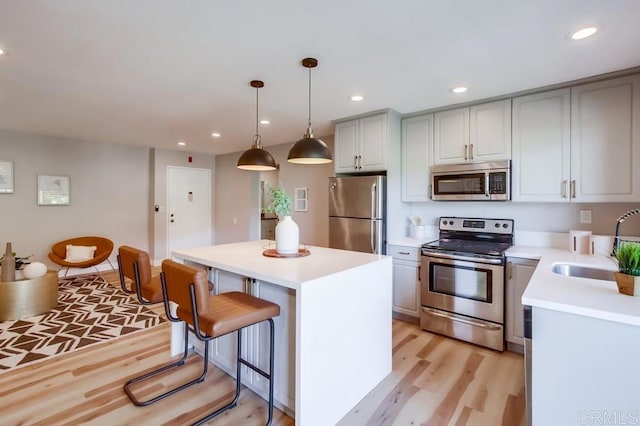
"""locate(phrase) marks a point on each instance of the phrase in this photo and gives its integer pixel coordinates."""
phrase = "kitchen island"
(333, 336)
(585, 343)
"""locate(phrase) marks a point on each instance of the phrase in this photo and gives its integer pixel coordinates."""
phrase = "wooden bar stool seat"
(209, 317)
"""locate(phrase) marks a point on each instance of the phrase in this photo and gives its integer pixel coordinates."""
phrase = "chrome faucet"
(616, 240)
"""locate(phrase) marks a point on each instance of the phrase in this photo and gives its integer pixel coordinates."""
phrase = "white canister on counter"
(417, 231)
(580, 242)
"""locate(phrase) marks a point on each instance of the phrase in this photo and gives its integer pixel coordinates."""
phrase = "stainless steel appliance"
(357, 210)
(485, 181)
(462, 280)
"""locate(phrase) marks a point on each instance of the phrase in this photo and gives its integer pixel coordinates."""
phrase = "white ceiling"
(152, 72)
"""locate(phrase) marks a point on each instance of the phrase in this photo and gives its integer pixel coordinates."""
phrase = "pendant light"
(256, 158)
(309, 150)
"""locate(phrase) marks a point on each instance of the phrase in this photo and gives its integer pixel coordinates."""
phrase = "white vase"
(287, 236)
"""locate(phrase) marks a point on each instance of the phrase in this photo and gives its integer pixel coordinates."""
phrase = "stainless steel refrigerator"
(357, 213)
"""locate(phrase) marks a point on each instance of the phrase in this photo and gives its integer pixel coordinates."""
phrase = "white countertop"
(580, 296)
(246, 259)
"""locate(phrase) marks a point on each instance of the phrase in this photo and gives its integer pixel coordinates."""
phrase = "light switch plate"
(585, 216)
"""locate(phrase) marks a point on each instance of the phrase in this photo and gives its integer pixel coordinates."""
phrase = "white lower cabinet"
(256, 339)
(406, 279)
(519, 272)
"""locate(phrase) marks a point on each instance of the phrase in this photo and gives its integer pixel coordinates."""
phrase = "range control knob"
(451, 222)
(505, 225)
(444, 222)
(497, 225)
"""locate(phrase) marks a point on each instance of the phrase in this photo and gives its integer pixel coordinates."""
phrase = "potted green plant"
(287, 232)
(628, 277)
(280, 202)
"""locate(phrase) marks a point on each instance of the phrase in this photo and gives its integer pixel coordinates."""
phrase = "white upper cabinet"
(490, 131)
(477, 133)
(578, 144)
(361, 144)
(541, 147)
(605, 141)
(417, 139)
(451, 136)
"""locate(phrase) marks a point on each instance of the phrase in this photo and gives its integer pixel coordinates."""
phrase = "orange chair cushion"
(104, 247)
(227, 312)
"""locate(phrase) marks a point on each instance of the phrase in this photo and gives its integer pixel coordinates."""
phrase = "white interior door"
(188, 208)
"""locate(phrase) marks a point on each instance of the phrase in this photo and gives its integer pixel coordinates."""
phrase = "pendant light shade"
(256, 158)
(309, 150)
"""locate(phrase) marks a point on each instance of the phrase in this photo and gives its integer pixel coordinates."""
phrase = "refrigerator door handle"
(374, 237)
(374, 204)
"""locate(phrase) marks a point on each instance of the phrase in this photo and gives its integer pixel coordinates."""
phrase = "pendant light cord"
(309, 120)
(258, 143)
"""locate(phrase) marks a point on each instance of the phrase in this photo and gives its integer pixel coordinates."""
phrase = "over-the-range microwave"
(482, 181)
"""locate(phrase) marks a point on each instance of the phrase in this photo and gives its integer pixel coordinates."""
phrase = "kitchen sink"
(579, 271)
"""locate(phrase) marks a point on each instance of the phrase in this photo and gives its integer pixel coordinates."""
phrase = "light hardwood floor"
(435, 381)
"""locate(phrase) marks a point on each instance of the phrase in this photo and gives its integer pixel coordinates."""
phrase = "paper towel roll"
(580, 242)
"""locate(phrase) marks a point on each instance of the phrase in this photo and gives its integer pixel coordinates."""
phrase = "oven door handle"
(460, 319)
(465, 258)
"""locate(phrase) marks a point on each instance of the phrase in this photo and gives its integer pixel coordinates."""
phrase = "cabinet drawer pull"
(404, 252)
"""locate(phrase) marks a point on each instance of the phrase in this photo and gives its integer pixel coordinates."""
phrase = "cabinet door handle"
(359, 162)
(509, 270)
(564, 188)
(573, 189)
(419, 272)
(471, 151)
(355, 162)
(466, 152)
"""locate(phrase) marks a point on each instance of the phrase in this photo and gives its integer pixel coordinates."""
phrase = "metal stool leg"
(178, 363)
(241, 361)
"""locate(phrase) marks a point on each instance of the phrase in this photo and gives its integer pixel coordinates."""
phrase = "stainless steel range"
(462, 279)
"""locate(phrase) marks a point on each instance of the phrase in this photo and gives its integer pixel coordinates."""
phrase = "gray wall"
(109, 193)
(238, 197)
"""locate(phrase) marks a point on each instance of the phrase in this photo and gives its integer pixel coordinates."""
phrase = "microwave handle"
(487, 179)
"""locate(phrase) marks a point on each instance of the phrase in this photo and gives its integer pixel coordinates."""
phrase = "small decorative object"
(34, 270)
(287, 232)
(628, 277)
(8, 269)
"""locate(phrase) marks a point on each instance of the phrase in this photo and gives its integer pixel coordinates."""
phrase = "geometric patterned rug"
(89, 311)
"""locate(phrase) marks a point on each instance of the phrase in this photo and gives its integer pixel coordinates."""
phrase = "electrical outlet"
(585, 216)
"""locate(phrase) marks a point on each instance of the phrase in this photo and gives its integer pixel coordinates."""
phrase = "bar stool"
(135, 265)
(209, 317)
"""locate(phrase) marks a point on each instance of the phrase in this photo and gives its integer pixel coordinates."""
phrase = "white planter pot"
(287, 236)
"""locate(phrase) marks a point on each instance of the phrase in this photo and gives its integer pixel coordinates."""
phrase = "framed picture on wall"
(6, 177)
(301, 200)
(53, 190)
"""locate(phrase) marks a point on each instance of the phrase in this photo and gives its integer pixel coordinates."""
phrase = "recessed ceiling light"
(265, 122)
(357, 98)
(215, 135)
(584, 33)
(181, 143)
(459, 89)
